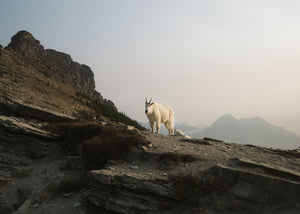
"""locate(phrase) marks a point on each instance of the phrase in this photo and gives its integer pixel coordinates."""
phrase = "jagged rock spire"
(25, 44)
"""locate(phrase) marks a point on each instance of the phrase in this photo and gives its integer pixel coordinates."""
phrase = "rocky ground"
(76, 166)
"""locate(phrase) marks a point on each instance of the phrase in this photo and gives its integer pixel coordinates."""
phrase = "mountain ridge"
(256, 131)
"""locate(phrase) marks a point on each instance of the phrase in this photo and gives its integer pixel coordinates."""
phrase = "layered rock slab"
(127, 188)
(236, 186)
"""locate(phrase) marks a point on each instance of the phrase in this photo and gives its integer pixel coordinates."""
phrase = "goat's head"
(148, 106)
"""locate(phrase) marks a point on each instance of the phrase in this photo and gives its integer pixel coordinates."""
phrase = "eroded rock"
(133, 171)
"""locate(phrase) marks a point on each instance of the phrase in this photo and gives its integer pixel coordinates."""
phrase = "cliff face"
(59, 65)
(46, 78)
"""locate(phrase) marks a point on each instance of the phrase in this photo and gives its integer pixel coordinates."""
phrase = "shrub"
(112, 144)
(105, 109)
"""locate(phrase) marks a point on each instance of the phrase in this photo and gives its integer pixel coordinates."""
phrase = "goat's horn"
(150, 100)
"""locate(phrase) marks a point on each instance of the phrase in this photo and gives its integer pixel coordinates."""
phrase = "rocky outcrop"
(60, 65)
(49, 79)
(25, 45)
(21, 142)
(181, 175)
(239, 186)
(12, 107)
(126, 188)
(261, 183)
(72, 72)
(20, 128)
(40, 157)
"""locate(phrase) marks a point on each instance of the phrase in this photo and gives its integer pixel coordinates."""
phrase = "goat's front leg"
(157, 127)
(152, 126)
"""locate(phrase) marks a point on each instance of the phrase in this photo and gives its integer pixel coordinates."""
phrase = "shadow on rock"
(98, 142)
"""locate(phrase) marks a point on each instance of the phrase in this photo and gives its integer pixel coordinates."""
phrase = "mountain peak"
(25, 44)
(22, 37)
(23, 34)
(225, 118)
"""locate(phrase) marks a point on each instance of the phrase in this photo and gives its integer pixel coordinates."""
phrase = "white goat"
(159, 114)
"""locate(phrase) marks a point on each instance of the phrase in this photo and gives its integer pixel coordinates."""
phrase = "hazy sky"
(204, 58)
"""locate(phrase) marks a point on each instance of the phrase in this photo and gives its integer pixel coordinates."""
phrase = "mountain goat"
(159, 114)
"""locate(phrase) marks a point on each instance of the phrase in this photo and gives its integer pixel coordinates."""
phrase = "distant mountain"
(254, 131)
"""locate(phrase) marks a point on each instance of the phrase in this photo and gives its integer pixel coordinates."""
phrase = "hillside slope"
(52, 80)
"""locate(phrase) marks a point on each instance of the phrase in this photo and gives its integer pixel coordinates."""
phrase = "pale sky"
(204, 58)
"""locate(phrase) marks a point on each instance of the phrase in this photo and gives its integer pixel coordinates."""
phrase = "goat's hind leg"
(168, 127)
